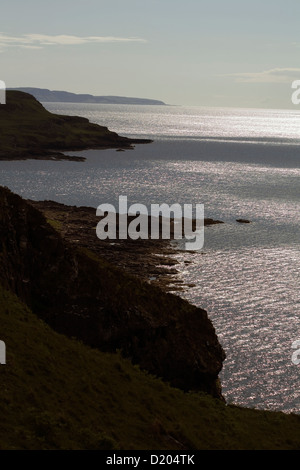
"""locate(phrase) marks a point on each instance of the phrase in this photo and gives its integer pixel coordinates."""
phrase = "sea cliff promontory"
(82, 295)
(28, 130)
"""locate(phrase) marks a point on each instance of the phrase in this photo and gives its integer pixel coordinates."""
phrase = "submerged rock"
(243, 221)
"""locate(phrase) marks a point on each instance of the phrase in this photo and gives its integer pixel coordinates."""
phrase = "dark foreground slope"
(81, 295)
(57, 393)
(28, 130)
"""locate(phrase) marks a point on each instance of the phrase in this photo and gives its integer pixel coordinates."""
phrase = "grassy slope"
(56, 393)
(28, 129)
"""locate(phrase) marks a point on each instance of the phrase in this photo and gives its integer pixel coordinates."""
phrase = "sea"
(240, 164)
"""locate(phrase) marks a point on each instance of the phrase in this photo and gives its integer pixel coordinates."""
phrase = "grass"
(57, 393)
(56, 224)
(29, 130)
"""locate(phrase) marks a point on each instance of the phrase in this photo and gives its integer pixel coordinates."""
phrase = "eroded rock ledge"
(150, 260)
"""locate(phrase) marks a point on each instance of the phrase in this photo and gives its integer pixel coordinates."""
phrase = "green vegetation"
(56, 224)
(57, 393)
(28, 130)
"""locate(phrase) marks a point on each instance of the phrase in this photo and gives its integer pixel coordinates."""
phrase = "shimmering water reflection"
(239, 164)
(252, 296)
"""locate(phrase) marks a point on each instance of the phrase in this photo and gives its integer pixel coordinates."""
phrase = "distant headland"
(28, 130)
(49, 96)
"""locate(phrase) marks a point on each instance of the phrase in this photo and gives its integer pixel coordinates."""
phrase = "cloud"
(26, 46)
(38, 41)
(277, 75)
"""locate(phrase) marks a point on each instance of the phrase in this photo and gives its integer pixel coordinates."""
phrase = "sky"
(232, 53)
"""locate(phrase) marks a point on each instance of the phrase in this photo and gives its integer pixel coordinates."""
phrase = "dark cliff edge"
(81, 295)
(28, 130)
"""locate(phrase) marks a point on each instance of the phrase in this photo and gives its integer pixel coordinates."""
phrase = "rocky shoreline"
(151, 261)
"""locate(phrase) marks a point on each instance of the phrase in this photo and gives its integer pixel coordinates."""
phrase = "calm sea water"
(239, 163)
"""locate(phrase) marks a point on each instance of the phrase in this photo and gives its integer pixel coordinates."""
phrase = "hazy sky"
(191, 52)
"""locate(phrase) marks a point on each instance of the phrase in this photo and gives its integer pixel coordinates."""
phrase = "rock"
(243, 221)
(83, 296)
(28, 130)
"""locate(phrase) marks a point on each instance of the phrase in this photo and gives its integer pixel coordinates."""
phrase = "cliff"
(28, 130)
(60, 393)
(81, 295)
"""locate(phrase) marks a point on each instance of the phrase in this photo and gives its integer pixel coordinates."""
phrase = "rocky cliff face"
(80, 295)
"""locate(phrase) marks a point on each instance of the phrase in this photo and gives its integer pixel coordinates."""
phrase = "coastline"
(82, 295)
(150, 260)
(29, 131)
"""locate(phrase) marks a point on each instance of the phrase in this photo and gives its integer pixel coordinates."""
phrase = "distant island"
(49, 96)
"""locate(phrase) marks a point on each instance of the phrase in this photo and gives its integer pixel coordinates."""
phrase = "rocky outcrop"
(151, 260)
(81, 295)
